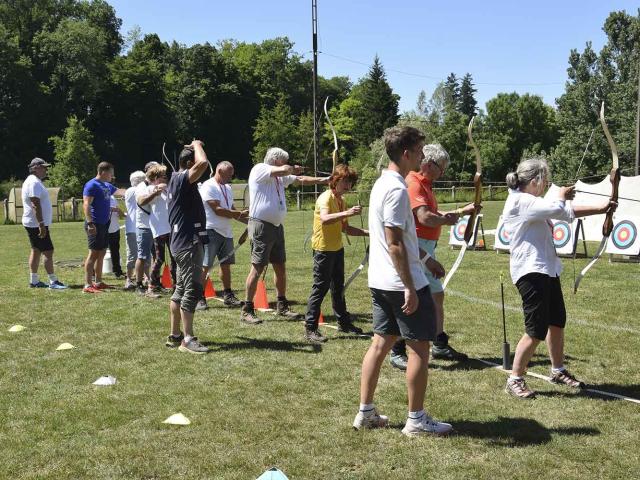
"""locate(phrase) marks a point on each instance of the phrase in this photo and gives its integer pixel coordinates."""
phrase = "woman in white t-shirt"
(114, 237)
(535, 267)
(160, 228)
(136, 178)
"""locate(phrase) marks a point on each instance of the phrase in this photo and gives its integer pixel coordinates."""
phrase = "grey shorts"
(267, 243)
(218, 246)
(188, 278)
(144, 239)
(389, 319)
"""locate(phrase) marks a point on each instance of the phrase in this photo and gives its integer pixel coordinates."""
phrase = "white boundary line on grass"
(511, 308)
(544, 377)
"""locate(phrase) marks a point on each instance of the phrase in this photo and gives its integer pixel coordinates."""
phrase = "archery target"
(504, 235)
(460, 228)
(624, 234)
(561, 234)
(624, 237)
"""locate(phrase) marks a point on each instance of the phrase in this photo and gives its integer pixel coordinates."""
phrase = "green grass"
(263, 397)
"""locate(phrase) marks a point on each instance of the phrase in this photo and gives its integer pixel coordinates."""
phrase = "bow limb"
(614, 178)
(477, 185)
(167, 158)
(455, 265)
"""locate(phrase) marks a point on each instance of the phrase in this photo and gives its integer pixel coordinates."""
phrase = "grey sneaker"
(283, 310)
(519, 389)
(447, 352)
(369, 420)
(193, 346)
(399, 362)
(174, 341)
(202, 305)
(38, 285)
(425, 425)
(314, 336)
(129, 285)
(565, 378)
(231, 301)
(248, 315)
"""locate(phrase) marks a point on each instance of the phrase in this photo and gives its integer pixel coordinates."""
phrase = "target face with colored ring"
(561, 234)
(624, 234)
(459, 229)
(504, 235)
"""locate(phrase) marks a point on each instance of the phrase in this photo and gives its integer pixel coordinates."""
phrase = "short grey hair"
(274, 154)
(223, 165)
(137, 177)
(434, 152)
(529, 169)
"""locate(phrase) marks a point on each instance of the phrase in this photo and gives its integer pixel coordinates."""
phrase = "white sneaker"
(425, 425)
(370, 419)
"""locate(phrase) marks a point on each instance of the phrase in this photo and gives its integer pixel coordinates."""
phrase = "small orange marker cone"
(166, 278)
(260, 298)
(481, 243)
(209, 291)
(320, 319)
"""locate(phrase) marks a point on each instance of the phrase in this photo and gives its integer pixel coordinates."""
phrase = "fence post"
(453, 193)
(298, 199)
(74, 210)
(490, 192)
(5, 204)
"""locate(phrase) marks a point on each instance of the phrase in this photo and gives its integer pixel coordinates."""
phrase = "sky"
(506, 46)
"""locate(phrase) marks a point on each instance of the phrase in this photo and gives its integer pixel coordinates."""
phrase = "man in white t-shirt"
(402, 303)
(36, 219)
(160, 228)
(136, 178)
(217, 198)
(267, 210)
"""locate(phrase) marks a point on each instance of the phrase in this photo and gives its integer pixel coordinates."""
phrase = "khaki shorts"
(267, 243)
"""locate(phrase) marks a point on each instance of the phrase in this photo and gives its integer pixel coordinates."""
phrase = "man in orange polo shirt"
(429, 221)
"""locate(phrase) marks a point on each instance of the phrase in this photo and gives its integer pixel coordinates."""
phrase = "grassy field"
(263, 397)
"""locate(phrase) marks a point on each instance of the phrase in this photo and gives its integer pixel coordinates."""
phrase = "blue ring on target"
(504, 235)
(459, 229)
(561, 234)
(624, 234)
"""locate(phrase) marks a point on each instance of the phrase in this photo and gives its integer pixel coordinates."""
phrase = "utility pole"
(316, 140)
(638, 123)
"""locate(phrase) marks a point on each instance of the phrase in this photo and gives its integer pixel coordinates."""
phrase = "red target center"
(624, 234)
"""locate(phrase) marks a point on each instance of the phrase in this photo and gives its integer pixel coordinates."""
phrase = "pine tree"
(467, 105)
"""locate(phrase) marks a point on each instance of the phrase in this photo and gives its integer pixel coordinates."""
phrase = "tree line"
(75, 91)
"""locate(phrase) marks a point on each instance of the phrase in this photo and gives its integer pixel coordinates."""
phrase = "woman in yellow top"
(329, 221)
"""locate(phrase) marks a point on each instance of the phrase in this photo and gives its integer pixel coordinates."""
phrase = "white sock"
(52, 278)
(187, 338)
(557, 370)
(33, 278)
(416, 415)
(514, 377)
(367, 408)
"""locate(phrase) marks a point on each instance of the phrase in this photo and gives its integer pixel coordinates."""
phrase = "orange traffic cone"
(166, 278)
(260, 298)
(209, 291)
(320, 319)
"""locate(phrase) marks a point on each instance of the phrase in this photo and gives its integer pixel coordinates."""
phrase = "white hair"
(137, 177)
(223, 165)
(274, 154)
(434, 152)
(529, 169)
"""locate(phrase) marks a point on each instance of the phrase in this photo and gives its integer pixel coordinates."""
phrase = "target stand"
(623, 244)
(566, 238)
(456, 234)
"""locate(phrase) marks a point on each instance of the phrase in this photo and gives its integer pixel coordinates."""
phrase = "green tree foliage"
(467, 104)
(75, 160)
(378, 105)
(275, 128)
(610, 76)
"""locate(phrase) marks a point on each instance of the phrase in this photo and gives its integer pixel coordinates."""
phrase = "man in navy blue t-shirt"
(188, 234)
(96, 198)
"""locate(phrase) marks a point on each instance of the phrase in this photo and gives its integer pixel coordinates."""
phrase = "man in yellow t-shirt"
(329, 221)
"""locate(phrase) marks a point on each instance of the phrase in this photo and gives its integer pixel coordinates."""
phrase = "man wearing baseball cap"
(36, 219)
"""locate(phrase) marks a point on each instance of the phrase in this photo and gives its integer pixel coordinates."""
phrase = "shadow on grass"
(247, 343)
(515, 432)
(471, 364)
